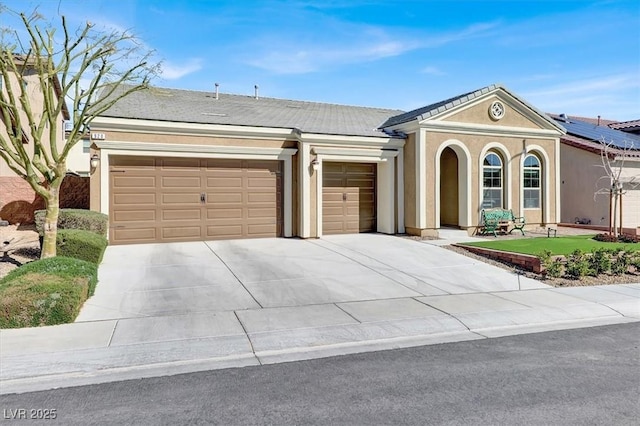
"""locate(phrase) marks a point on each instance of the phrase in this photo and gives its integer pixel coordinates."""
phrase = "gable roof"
(202, 107)
(442, 106)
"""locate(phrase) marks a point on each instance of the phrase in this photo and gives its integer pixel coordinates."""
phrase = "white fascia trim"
(487, 130)
(369, 154)
(164, 149)
(107, 149)
(370, 141)
(179, 128)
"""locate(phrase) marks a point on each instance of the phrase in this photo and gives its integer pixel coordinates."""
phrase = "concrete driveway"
(178, 308)
(200, 277)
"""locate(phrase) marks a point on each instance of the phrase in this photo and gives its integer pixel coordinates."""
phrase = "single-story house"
(583, 174)
(178, 165)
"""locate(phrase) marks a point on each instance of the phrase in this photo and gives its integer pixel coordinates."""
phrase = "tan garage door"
(348, 198)
(190, 199)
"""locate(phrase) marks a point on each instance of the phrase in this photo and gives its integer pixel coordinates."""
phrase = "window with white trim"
(531, 182)
(86, 146)
(491, 181)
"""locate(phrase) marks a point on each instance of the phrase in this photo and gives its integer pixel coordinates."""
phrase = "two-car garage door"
(187, 199)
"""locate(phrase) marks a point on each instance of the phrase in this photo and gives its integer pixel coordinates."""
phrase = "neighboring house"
(78, 160)
(583, 174)
(18, 200)
(632, 126)
(177, 165)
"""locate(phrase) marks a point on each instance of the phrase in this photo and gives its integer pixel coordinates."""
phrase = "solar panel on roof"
(597, 133)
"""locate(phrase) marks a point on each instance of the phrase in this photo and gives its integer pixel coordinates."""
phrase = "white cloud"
(431, 70)
(607, 96)
(346, 43)
(172, 71)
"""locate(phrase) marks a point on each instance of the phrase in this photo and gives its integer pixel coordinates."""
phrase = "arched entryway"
(449, 188)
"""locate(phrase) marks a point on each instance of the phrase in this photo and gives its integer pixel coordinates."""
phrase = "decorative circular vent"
(496, 110)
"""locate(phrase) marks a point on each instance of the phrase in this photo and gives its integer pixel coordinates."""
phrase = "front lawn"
(558, 246)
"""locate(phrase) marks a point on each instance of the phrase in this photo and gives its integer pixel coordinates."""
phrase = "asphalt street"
(583, 376)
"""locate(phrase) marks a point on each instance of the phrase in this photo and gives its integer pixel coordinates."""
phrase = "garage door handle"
(202, 197)
(344, 196)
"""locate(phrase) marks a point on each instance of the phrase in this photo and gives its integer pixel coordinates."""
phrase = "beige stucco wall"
(582, 176)
(479, 114)
(581, 173)
(512, 159)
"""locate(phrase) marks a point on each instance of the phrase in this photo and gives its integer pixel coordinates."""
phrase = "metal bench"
(498, 219)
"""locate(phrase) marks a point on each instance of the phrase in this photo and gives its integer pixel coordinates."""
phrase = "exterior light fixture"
(315, 164)
(95, 161)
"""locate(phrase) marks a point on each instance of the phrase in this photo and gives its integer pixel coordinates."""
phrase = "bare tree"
(42, 72)
(613, 161)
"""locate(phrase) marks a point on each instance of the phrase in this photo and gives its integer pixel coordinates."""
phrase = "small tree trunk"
(51, 222)
(615, 214)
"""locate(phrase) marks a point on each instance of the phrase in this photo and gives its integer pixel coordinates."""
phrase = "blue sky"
(577, 57)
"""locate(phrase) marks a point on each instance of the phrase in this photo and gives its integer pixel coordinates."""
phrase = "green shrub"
(553, 266)
(34, 300)
(600, 261)
(621, 263)
(45, 292)
(79, 244)
(577, 264)
(555, 269)
(63, 267)
(76, 219)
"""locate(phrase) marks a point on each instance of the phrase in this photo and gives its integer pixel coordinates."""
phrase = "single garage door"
(187, 199)
(348, 198)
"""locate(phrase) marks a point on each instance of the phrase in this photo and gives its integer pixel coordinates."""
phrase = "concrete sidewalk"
(163, 309)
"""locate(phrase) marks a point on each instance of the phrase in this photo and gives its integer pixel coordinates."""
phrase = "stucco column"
(386, 196)
(304, 190)
(421, 179)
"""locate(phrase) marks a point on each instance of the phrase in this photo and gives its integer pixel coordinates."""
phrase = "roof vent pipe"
(598, 120)
(217, 90)
(563, 117)
(256, 87)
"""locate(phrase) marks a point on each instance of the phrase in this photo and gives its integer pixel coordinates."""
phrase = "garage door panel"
(142, 234)
(190, 165)
(261, 230)
(224, 183)
(181, 214)
(223, 197)
(135, 215)
(125, 181)
(258, 183)
(219, 165)
(222, 213)
(134, 163)
(179, 198)
(181, 232)
(134, 199)
(180, 182)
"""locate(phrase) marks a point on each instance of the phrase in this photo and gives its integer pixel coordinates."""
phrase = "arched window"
(491, 181)
(531, 182)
